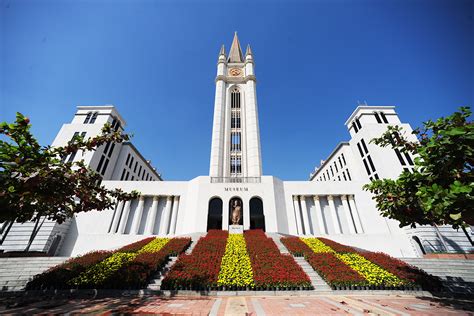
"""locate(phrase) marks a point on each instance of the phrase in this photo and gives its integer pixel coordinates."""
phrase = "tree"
(37, 184)
(439, 191)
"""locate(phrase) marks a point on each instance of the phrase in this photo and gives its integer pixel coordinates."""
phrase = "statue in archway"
(236, 212)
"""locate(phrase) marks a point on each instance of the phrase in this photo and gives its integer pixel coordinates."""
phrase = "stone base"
(236, 229)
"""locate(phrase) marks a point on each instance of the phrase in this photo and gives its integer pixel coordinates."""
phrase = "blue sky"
(156, 61)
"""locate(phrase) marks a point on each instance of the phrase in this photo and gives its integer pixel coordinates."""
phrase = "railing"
(235, 179)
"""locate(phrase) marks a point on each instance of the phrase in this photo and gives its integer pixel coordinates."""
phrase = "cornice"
(228, 79)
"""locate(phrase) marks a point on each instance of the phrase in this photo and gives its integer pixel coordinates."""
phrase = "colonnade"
(168, 218)
(318, 215)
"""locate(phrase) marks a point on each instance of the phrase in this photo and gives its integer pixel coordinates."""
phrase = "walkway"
(315, 305)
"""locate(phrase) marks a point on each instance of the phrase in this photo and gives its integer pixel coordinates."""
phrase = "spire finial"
(248, 51)
(235, 53)
(222, 51)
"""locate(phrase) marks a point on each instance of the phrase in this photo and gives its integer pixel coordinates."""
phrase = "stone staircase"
(16, 272)
(155, 283)
(457, 276)
(276, 238)
(318, 283)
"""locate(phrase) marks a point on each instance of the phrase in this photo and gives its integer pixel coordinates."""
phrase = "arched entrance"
(235, 204)
(214, 214)
(257, 218)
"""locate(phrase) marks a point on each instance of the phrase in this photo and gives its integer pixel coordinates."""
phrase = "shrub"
(134, 247)
(337, 247)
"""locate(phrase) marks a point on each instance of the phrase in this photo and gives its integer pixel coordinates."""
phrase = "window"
(235, 141)
(94, 117)
(235, 98)
(88, 117)
(128, 158)
(105, 166)
(99, 166)
(128, 174)
(123, 174)
(358, 124)
(131, 163)
(344, 175)
(335, 166)
(366, 167)
(332, 171)
(384, 118)
(235, 121)
(348, 174)
(340, 162)
(365, 147)
(111, 150)
(377, 117)
(355, 127)
(399, 156)
(360, 150)
(136, 165)
(343, 159)
(371, 163)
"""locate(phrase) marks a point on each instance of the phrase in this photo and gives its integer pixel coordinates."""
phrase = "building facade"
(331, 204)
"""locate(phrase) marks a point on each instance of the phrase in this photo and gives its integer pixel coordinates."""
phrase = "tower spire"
(235, 54)
(248, 51)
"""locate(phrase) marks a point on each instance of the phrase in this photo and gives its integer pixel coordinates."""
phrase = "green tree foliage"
(36, 184)
(440, 188)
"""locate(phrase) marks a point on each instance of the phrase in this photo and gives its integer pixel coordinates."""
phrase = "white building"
(331, 204)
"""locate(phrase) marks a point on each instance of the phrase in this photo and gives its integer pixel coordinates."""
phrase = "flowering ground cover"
(236, 269)
(200, 269)
(129, 267)
(271, 268)
(342, 265)
(58, 276)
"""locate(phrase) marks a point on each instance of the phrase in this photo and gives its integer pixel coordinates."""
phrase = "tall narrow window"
(384, 118)
(343, 159)
(94, 117)
(358, 123)
(235, 98)
(365, 147)
(377, 117)
(88, 117)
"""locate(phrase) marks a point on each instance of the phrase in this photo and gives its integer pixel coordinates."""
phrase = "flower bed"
(335, 272)
(344, 266)
(295, 246)
(134, 247)
(58, 276)
(316, 245)
(271, 269)
(151, 258)
(410, 274)
(337, 247)
(373, 274)
(200, 269)
(236, 269)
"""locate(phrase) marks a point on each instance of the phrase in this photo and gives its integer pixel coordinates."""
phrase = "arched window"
(88, 117)
(94, 117)
(257, 218)
(214, 214)
(235, 98)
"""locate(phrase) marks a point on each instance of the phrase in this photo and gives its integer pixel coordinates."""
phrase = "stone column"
(297, 215)
(174, 216)
(347, 212)
(124, 217)
(355, 213)
(304, 210)
(225, 215)
(335, 219)
(150, 223)
(165, 219)
(319, 215)
(246, 214)
(138, 215)
(116, 218)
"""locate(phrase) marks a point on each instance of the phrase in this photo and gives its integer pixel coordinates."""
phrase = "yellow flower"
(316, 245)
(236, 268)
(155, 245)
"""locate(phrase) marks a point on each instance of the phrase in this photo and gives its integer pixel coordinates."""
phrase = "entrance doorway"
(257, 218)
(214, 214)
(236, 211)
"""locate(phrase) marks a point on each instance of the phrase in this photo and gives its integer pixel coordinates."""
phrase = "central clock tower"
(235, 149)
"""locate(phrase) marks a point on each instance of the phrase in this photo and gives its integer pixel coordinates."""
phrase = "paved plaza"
(240, 305)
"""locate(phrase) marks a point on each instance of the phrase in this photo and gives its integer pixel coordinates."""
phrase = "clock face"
(235, 72)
